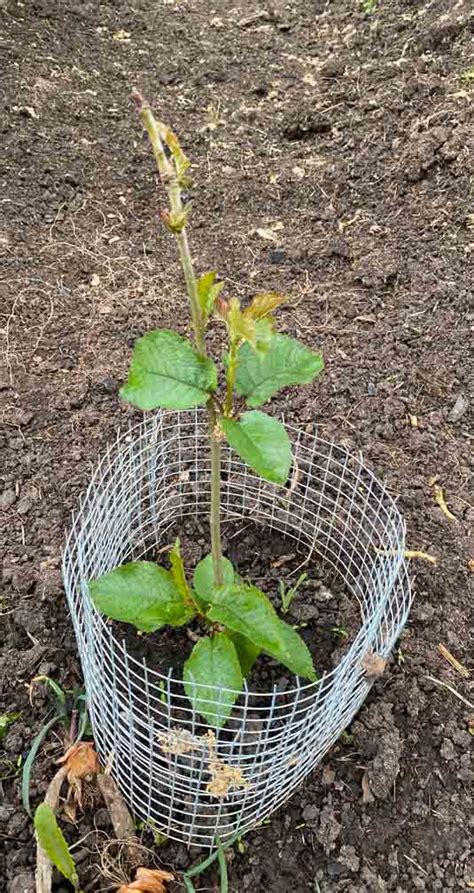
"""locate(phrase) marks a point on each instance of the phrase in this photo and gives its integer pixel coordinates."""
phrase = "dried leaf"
(269, 234)
(328, 775)
(374, 664)
(81, 761)
(179, 741)
(224, 777)
(148, 880)
(367, 795)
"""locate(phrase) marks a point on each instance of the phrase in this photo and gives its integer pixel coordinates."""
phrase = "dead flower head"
(148, 880)
(82, 763)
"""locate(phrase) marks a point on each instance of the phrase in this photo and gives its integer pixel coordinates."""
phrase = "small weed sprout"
(340, 632)
(368, 7)
(237, 620)
(287, 594)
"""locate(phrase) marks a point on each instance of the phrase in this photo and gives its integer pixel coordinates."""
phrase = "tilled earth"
(332, 162)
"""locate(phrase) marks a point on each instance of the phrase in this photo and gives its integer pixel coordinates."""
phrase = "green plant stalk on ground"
(168, 372)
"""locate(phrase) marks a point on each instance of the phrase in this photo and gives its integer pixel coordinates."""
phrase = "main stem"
(169, 178)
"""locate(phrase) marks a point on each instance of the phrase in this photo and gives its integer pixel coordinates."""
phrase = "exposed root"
(452, 690)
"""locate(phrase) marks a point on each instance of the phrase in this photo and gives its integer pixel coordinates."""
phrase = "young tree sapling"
(167, 371)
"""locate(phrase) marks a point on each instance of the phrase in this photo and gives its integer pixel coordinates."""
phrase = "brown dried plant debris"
(441, 501)
(455, 663)
(148, 880)
(224, 777)
(374, 664)
(82, 764)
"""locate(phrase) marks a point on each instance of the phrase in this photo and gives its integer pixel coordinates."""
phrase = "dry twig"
(461, 669)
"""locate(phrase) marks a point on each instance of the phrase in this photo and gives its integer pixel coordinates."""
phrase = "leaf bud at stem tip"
(138, 99)
(222, 307)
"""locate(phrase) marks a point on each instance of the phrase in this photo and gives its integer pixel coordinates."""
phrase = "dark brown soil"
(347, 137)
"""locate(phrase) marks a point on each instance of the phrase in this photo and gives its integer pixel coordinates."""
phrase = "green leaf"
(6, 720)
(208, 291)
(141, 593)
(286, 362)
(240, 327)
(300, 661)
(182, 163)
(212, 667)
(247, 652)
(265, 332)
(178, 573)
(28, 764)
(246, 610)
(166, 371)
(203, 578)
(52, 841)
(262, 442)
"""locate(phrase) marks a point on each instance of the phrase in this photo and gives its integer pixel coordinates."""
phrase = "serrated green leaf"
(240, 327)
(264, 303)
(300, 661)
(211, 669)
(208, 291)
(262, 442)
(166, 371)
(51, 840)
(203, 578)
(248, 611)
(286, 362)
(141, 593)
(265, 332)
(247, 652)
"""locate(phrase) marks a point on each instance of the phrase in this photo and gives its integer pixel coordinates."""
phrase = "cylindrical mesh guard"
(191, 784)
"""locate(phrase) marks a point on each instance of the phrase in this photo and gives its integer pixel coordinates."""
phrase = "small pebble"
(371, 389)
(277, 256)
(310, 813)
(458, 409)
(7, 499)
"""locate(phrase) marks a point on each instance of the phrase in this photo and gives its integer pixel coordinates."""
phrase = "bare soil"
(332, 162)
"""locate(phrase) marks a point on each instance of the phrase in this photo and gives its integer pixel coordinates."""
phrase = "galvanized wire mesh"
(334, 509)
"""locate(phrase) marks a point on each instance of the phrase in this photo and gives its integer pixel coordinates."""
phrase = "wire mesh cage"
(192, 783)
